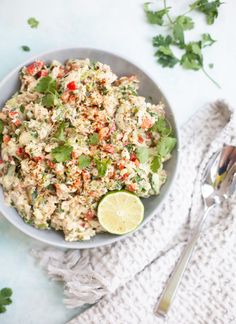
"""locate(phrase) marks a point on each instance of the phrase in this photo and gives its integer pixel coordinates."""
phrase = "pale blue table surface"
(118, 26)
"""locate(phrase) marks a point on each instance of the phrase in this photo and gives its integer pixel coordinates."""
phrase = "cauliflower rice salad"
(71, 134)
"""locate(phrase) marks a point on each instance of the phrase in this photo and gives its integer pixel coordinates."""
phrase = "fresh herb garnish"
(162, 126)
(142, 154)
(60, 132)
(93, 139)
(102, 166)
(156, 163)
(46, 85)
(1, 130)
(5, 298)
(84, 161)
(22, 109)
(192, 56)
(155, 17)
(25, 48)
(209, 8)
(49, 100)
(62, 153)
(32, 22)
(165, 146)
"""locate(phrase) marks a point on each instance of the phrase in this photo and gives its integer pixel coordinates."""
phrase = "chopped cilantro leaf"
(32, 22)
(22, 109)
(192, 59)
(84, 161)
(93, 139)
(59, 134)
(142, 154)
(5, 298)
(162, 126)
(25, 48)
(62, 153)
(207, 40)
(155, 17)
(166, 57)
(165, 145)
(46, 85)
(49, 100)
(156, 163)
(102, 166)
(1, 126)
(209, 8)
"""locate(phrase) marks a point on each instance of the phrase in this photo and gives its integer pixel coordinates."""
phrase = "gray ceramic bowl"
(148, 88)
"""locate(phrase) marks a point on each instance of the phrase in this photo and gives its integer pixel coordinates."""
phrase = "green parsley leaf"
(1, 126)
(46, 85)
(25, 48)
(162, 126)
(49, 100)
(142, 154)
(166, 57)
(62, 153)
(185, 22)
(22, 109)
(156, 163)
(5, 299)
(59, 134)
(93, 139)
(178, 33)
(32, 22)
(192, 59)
(160, 40)
(209, 8)
(207, 40)
(84, 161)
(166, 145)
(155, 17)
(102, 166)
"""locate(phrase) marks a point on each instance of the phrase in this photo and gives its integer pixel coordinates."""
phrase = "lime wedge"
(120, 212)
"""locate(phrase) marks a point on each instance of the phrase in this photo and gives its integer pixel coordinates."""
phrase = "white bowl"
(148, 89)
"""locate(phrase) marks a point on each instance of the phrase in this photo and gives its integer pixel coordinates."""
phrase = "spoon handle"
(169, 292)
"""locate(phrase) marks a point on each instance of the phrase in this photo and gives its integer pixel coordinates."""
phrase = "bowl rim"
(73, 245)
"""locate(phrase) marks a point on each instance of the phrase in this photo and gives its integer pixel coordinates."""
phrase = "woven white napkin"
(131, 273)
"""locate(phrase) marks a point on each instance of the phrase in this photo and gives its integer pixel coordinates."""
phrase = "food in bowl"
(72, 134)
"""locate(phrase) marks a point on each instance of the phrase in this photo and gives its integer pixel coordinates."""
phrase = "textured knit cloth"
(130, 275)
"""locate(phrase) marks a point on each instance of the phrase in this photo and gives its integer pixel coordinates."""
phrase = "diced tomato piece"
(51, 164)
(125, 176)
(149, 135)
(109, 148)
(121, 166)
(90, 215)
(42, 73)
(37, 158)
(131, 187)
(140, 139)
(20, 151)
(12, 114)
(17, 123)
(6, 138)
(34, 67)
(1, 161)
(72, 86)
(133, 157)
(146, 123)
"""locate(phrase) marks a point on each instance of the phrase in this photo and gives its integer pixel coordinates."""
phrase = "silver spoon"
(218, 184)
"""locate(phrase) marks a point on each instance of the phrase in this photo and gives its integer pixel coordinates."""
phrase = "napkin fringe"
(83, 285)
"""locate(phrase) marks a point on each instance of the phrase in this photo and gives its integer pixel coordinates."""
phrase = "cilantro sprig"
(5, 299)
(192, 52)
(47, 86)
(32, 22)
